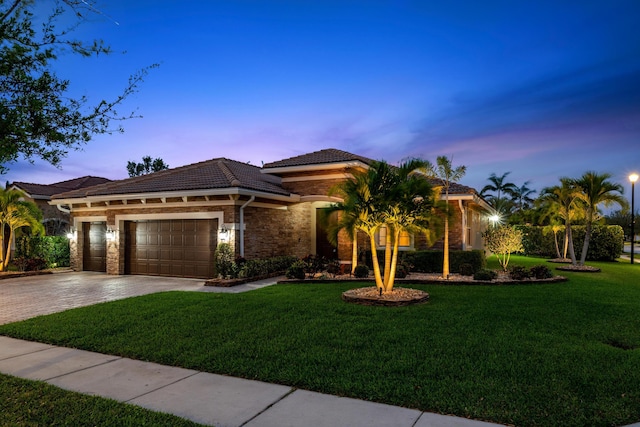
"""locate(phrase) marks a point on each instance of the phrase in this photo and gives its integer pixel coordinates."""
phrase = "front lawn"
(553, 354)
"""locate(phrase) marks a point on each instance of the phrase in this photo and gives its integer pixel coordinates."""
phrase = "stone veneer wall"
(277, 232)
(75, 248)
(312, 187)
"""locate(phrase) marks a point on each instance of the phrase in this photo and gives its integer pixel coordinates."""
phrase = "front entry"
(94, 253)
(174, 247)
(324, 248)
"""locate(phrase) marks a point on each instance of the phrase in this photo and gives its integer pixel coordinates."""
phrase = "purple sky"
(541, 88)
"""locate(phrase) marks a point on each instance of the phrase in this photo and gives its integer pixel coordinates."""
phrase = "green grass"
(553, 354)
(34, 403)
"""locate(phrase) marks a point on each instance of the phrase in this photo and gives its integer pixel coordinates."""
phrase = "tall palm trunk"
(394, 262)
(374, 260)
(555, 239)
(572, 253)
(2, 248)
(445, 264)
(7, 255)
(387, 256)
(587, 237)
(354, 252)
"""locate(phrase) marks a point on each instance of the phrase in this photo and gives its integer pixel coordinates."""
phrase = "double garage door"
(177, 247)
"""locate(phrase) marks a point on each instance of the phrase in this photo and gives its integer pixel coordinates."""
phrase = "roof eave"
(166, 194)
(314, 167)
(472, 197)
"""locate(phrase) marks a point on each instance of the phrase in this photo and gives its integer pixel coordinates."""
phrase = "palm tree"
(499, 186)
(15, 213)
(360, 208)
(522, 196)
(354, 210)
(597, 190)
(561, 201)
(393, 197)
(447, 174)
(410, 208)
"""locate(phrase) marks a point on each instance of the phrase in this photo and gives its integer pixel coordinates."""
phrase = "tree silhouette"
(147, 166)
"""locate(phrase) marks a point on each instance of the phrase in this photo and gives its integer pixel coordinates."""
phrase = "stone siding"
(277, 232)
(311, 188)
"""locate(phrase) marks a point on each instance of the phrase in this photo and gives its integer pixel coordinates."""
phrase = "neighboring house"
(170, 222)
(56, 221)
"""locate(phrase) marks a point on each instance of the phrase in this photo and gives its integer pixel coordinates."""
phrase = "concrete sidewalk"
(203, 397)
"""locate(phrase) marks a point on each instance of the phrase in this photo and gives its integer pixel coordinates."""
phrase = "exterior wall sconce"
(495, 220)
(223, 234)
(112, 234)
(71, 234)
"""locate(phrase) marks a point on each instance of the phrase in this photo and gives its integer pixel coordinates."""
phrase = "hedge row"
(606, 243)
(431, 261)
(53, 250)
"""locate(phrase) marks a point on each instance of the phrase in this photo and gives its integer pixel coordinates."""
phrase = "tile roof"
(49, 190)
(329, 155)
(216, 173)
(454, 187)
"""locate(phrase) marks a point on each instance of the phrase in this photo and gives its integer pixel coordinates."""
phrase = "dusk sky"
(543, 89)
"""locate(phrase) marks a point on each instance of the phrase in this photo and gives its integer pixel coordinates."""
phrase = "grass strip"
(34, 403)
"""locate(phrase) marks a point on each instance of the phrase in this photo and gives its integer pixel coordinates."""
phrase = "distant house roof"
(219, 173)
(45, 191)
(326, 156)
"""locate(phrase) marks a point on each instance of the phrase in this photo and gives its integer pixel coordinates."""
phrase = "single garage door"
(94, 252)
(177, 247)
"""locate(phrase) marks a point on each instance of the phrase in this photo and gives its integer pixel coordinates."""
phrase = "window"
(406, 239)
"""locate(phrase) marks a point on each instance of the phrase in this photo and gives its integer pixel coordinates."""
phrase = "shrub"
(402, 270)
(606, 242)
(519, 272)
(485, 275)
(224, 261)
(361, 271)
(431, 261)
(333, 267)
(466, 269)
(53, 249)
(263, 267)
(541, 272)
(314, 264)
(297, 270)
(30, 264)
(503, 241)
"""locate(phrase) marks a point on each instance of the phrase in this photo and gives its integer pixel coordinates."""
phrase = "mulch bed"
(396, 298)
(579, 268)
(228, 283)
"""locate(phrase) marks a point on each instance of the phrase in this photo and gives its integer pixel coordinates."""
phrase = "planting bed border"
(407, 281)
(414, 296)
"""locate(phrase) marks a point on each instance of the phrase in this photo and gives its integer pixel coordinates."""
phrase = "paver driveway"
(25, 297)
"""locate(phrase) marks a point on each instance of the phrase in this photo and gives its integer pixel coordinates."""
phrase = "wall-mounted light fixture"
(495, 219)
(112, 234)
(71, 234)
(223, 233)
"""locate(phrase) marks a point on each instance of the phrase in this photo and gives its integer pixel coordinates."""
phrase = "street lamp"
(633, 178)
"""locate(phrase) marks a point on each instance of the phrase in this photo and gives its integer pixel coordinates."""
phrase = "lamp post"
(633, 178)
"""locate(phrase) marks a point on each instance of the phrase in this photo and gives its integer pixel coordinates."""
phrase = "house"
(170, 222)
(56, 221)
